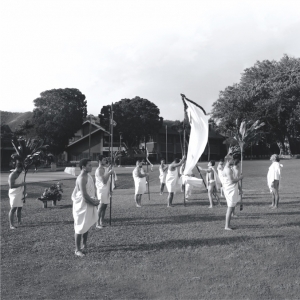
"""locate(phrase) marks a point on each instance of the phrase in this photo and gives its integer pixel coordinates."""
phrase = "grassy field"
(156, 252)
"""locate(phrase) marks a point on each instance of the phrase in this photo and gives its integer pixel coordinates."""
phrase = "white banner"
(198, 136)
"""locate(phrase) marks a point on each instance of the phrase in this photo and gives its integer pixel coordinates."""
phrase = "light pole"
(120, 148)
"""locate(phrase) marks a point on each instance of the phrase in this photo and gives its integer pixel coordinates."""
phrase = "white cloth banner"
(70, 170)
(198, 135)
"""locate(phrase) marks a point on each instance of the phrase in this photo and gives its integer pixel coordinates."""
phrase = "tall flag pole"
(166, 144)
(111, 159)
(184, 149)
(147, 161)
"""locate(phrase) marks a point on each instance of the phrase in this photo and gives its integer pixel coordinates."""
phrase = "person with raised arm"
(102, 176)
(84, 206)
(172, 178)
(16, 194)
(140, 178)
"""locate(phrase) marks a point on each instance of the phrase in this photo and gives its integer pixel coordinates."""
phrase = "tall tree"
(136, 118)
(270, 92)
(59, 113)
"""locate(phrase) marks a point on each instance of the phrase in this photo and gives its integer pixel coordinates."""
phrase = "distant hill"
(13, 119)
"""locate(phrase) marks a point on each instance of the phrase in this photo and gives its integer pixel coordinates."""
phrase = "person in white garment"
(220, 174)
(273, 177)
(84, 206)
(103, 179)
(163, 169)
(236, 169)
(187, 187)
(231, 190)
(172, 178)
(213, 183)
(16, 194)
(140, 179)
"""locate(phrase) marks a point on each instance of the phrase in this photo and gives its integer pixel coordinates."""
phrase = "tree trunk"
(281, 147)
(287, 146)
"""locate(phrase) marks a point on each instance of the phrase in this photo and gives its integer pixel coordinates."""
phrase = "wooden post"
(111, 158)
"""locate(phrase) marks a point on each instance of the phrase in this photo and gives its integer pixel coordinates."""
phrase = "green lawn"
(156, 252)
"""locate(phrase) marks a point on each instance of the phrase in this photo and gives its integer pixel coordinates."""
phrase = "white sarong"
(173, 181)
(140, 183)
(274, 173)
(162, 175)
(16, 194)
(103, 190)
(85, 215)
(231, 192)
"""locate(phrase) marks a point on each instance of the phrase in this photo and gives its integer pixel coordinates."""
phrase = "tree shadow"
(180, 244)
(181, 219)
(41, 224)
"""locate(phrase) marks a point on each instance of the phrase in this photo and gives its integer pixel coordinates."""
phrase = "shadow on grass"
(41, 224)
(183, 219)
(182, 244)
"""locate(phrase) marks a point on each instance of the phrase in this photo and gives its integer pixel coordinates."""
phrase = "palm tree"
(245, 134)
(30, 152)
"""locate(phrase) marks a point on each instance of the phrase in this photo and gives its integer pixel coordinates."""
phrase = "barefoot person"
(231, 190)
(172, 178)
(213, 183)
(139, 177)
(220, 174)
(274, 175)
(163, 169)
(102, 176)
(16, 194)
(84, 206)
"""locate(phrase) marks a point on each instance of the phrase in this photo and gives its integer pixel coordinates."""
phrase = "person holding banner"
(213, 183)
(163, 169)
(102, 176)
(231, 190)
(84, 206)
(172, 178)
(140, 178)
(220, 174)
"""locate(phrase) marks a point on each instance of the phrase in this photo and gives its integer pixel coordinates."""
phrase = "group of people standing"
(90, 199)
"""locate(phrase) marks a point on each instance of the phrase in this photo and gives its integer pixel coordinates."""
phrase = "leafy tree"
(59, 113)
(30, 152)
(136, 118)
(26, 129)
(269, 91)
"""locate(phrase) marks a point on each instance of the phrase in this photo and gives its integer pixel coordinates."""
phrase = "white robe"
(231, 191)
(173, 181)
(85, 215)
(274, 173)
(103, 189)
(16, 194)
(139, 183)
(162, 175)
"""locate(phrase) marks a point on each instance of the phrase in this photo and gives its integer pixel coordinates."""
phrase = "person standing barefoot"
(84, 206)
(274, 176)
(16, 194)
(139, 177)
(231, 191)
(163, 169)
(102, 176)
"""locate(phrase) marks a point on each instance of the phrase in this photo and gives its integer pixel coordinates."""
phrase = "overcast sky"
(155, 49)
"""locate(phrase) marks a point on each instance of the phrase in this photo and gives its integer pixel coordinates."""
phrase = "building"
(168, 144)
(88, 142)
